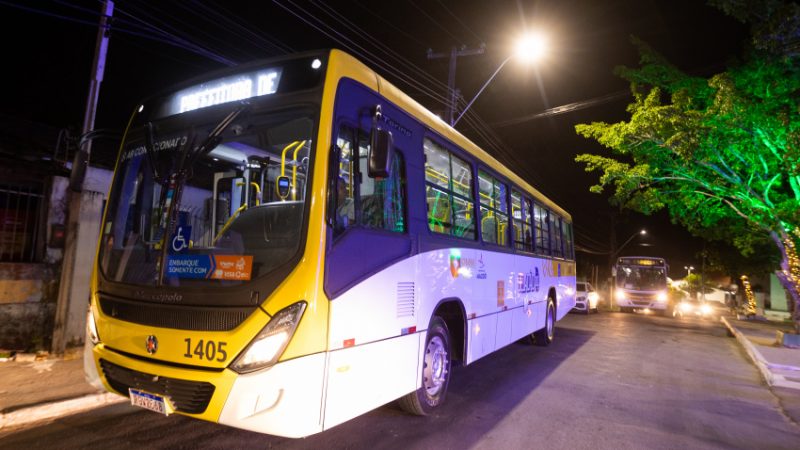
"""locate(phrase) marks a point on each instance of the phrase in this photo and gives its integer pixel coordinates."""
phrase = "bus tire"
(545, 336)
(435, 375)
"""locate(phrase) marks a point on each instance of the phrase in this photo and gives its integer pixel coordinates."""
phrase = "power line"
(189, 45)
(460, 21)
(563, 109)
(260, 39)
(390, 24)
(435, 22)
(383, 47)
(360, 51)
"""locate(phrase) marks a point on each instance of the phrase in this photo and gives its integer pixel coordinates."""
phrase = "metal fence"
(20, 221)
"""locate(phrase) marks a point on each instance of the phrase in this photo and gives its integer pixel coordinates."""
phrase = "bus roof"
(345, 65)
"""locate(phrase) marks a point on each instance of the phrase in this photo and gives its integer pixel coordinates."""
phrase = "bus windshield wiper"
(209, 143)
(189, 155)
(149, 152)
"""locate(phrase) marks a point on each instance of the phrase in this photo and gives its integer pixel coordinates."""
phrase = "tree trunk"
(789, 267)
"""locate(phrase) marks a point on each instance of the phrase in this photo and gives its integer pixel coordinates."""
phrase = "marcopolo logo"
(151, 344)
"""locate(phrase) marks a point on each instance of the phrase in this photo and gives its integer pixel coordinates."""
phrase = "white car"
(689, 307)
(586, 298)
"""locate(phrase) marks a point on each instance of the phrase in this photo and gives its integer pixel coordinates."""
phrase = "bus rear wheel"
(545, 336)
(435, 374)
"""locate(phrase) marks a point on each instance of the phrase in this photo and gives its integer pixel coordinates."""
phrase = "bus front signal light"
(270, 343)
(91, 328)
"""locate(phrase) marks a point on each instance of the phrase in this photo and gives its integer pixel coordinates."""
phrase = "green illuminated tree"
(722, 154)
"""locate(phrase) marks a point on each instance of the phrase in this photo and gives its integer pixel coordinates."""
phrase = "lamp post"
(689, 270)
(641, 232)
(611, 288)
(530, 48)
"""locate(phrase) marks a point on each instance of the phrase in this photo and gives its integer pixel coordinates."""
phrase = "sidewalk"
(780, 366)
(36, 390)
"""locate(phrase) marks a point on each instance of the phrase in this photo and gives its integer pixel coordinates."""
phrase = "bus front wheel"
(435, 374)
(546, 335)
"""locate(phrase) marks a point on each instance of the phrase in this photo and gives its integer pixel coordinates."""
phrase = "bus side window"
(345, 182)
(370, 202)
(494, 209)
(555, 227)
(448, 191)
(566, 232)
(542, 229)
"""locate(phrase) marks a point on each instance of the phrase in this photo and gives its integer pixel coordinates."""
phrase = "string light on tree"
(750, 307)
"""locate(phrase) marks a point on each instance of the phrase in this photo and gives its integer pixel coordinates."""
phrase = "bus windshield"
(641, 278)
(213, 203)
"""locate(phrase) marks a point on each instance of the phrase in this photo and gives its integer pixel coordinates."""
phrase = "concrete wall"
(29, 292)
(27, 303)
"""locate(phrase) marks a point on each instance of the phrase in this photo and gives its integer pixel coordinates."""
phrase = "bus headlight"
(620, 294)
(705, 309)
(270, 343)
(593, 297)
(661, 297)
(91, 328)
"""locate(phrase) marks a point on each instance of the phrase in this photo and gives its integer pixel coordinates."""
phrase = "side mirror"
(381, 149)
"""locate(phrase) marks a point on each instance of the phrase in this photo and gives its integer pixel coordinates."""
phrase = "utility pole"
(612, 241)
(452, 92)
(73, 292)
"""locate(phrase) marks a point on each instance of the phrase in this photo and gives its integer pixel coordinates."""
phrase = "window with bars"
(20, 222)
(448, 191)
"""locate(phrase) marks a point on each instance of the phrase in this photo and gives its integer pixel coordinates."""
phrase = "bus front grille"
(186, 396)
(193, 318)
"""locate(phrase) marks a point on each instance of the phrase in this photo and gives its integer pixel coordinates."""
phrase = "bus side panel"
(524, 319)
(373, 346)
(283, 400)
(364, 377)
(483, 331)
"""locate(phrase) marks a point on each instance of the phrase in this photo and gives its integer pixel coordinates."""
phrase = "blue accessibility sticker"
(180, 240)
(189, 266)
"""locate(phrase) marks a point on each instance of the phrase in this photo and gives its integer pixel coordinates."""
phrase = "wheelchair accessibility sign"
(181, 239)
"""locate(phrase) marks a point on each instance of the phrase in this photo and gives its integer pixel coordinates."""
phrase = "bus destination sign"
(223, 90)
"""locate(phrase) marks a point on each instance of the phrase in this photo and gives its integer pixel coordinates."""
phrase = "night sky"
(48, 55)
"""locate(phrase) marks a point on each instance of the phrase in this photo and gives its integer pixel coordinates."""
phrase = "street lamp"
(689, 270)
(641, 232)
(529, 48)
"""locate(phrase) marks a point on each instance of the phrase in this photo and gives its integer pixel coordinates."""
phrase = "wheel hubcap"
(435, 371)
(550, 320)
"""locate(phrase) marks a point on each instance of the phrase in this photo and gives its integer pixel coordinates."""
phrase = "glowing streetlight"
(641, 232)
(530, 48)
(689, 270)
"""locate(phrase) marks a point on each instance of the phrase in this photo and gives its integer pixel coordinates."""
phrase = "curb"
(54, 410)
(772, 379)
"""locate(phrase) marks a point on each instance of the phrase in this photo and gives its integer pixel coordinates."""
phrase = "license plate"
(146, 400)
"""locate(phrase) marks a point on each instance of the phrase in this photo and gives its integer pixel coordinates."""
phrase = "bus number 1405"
(208, 350)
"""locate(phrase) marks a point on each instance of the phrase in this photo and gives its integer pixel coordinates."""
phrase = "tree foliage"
(722, 154)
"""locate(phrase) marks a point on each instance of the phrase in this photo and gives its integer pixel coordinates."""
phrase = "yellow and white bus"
(295, 242)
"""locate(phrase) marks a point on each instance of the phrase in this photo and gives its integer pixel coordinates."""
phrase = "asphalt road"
(610, 380)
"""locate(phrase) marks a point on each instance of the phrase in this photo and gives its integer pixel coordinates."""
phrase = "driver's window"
(361, 200)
